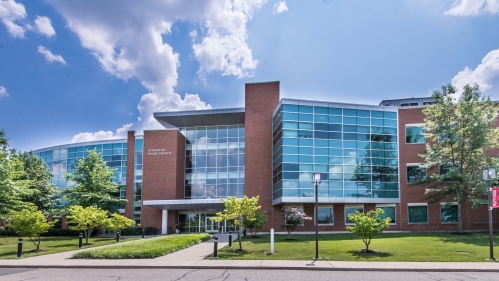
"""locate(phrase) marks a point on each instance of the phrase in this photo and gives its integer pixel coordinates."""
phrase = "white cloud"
(3, 92)
(130, 45)
(10, 12)
(43, 25)
(280, 7)
(486, 74)
(49, 56)
(473, 7)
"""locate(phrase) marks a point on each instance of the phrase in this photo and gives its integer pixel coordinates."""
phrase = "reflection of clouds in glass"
(350, 161)
(335, 160)
(336, 169)
(289, 184)
(305, 176)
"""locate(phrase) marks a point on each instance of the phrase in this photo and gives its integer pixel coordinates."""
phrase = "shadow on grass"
(368, 256)
(8, 254)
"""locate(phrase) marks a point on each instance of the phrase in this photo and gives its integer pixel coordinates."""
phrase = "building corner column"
(164, 221)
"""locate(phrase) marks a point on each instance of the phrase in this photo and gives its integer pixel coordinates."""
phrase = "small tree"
(256, 225)
(85, 219)
(368, 225)
(238, 210)
(29, 223)
(293, 218)
(117, 222)
(94, 184)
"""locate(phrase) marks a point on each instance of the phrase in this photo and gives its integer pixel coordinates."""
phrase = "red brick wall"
(261, 100)
(408, 153)
(130, 174)
(163, 173)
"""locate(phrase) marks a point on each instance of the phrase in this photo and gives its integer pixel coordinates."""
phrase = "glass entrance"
(211, 226)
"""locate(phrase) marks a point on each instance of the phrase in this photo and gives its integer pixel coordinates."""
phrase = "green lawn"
(143, 249)
(415, 247)
(48, 245)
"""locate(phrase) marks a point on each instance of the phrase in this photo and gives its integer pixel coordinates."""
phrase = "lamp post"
(317, 181)
(488, 174)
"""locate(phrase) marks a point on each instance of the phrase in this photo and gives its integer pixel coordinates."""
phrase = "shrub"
(134, 231)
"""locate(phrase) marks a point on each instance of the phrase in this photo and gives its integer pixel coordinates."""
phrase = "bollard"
(215, 248)
(230, 238)
(143, 232)
(244, 232)
(20, 247)
(117, 236)
(80, 240)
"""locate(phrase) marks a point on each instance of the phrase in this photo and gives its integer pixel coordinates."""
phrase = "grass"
(145, 249)
(408, 247)
(48, 245)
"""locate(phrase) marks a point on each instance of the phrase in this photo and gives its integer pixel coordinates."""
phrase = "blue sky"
(74, 71)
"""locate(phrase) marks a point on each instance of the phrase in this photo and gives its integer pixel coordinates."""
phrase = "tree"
(255, 225)
(459, 139)
(117, 222)
(236, 211)
(30, 223)
(85, 219)
(35, 178)
(9, 171)
(293, 218)
(368, 225)
(94, 184)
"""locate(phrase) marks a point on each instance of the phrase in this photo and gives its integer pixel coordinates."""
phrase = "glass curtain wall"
(355, 150)
(214, 161)
(64, 159)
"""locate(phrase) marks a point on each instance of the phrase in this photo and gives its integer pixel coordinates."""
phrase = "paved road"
(8, 274)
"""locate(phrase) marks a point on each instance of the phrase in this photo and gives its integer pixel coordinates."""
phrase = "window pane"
(350, 210)
(414, 135)
(389, 213)
(325, 216)
(448, 213)
(415, 173)
(418, 214)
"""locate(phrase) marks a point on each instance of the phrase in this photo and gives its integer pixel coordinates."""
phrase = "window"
(325, 216)
(350, 210)
(415, 173)
(448, 212)
(414, 134)
(389, 212)
(409, 104)
(418, 213)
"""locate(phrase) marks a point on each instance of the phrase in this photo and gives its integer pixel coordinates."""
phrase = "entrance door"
(211, 226)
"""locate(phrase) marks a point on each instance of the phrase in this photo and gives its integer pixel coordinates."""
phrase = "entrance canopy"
(185, 204)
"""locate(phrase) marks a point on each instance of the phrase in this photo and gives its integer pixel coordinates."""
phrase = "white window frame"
(389, 205)
(332, 215)
(417, 125)
(352, 206)
(440, 213)
(418, 205)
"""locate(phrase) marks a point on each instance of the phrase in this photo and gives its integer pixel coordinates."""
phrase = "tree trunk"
(459, 216)
(239, 238)
(38, 245)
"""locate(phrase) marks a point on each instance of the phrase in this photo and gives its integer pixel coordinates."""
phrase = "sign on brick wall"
(495, 197)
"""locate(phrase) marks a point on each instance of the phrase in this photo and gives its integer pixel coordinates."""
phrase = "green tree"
(236, 211)
(93, 184)
(85, 219)
(255, 225)
(293, 218)
(459, 139)
(35, 179)
(368, 225)
(117, 222)
(30, 223)
(9, 171)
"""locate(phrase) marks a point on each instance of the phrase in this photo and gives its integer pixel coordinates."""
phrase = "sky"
(75, 71)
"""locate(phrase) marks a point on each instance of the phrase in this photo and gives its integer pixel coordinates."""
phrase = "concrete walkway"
(193, 257)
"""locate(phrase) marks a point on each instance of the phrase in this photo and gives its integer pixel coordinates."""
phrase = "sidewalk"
(193, 257)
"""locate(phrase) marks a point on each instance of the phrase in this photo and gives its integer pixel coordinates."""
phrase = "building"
(367, 156)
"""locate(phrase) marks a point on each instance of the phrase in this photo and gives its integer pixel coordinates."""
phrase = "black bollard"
(244, 232)
(215, 248)
(20, 247)
(143, 232)
(117, 236)
(230, 238)
(80, 240)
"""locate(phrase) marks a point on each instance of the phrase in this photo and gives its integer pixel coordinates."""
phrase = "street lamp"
(488, 174)
(317, 181)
